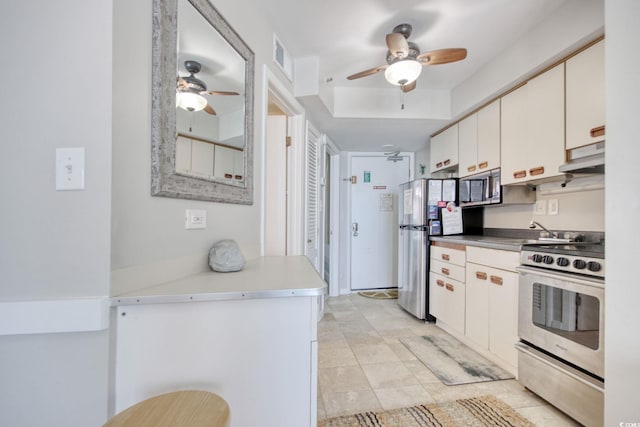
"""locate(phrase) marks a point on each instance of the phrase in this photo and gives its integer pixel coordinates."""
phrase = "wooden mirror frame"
(164, 180)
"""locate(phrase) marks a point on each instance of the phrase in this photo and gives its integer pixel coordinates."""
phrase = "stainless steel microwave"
(485, 189)
(480, 189)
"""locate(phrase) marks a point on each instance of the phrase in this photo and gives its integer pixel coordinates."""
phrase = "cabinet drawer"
(504, 260)
(447, 254)
(448, 270)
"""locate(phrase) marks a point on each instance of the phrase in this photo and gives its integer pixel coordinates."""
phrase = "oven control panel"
(563, 262)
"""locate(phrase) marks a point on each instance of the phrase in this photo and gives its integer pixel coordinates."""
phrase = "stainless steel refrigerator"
(421, 202)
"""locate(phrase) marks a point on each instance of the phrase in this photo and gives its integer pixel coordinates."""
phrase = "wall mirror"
(202, 105)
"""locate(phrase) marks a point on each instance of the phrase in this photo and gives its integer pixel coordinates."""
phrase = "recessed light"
(387, 145)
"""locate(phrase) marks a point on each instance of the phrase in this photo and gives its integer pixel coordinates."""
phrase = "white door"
(374, 220)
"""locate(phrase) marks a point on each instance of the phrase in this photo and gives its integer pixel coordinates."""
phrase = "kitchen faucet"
(533, 225)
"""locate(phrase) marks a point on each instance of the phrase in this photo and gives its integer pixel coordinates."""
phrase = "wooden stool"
(181, 408)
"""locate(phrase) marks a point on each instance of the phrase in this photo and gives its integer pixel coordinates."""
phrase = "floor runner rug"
(452, 361)
(474, 412)
(381, 294)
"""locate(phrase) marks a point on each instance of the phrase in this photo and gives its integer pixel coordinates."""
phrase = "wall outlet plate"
(553, 206)
(540, 207)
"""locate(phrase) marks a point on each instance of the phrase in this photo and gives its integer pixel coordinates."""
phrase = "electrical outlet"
(540, 208)
(553, 206)
(195, 219)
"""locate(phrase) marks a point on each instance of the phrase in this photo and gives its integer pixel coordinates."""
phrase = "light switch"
(195, 219)
(70, 169)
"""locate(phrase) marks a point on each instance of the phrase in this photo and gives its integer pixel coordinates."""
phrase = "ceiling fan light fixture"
(191, 101)
(403, 71)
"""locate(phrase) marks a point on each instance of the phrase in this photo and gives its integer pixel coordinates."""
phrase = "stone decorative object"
(225, 256)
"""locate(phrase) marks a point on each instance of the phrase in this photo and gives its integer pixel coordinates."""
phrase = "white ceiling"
(349, 36)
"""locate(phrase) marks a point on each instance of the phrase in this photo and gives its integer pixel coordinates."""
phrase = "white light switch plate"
(553, 206)
(195, 219)
(540, 208)
(70, 169)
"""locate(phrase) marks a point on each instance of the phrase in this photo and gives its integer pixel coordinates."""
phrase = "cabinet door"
(585, 96)
(477, 304)
(503, 314)
(444, 149)
(545, 103)
(183, 154)
(201, 158)
(436, 295)
(223, 166)
(468, 146)
(454, 304)
(513, 128)
(238, 165)
(488, 137)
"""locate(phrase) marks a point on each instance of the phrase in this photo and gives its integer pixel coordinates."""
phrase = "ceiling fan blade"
(209, 109)
(398, 45)
(408, 88)
(442, 56)
(219, 92)
(367, 72)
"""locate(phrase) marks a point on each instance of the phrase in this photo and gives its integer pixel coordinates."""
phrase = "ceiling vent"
(282, 57)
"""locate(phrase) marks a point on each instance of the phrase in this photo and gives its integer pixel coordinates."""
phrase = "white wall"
(56, 69)
(577, 211)
(622, 354)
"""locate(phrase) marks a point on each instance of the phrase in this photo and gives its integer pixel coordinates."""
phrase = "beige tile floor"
(363, 365)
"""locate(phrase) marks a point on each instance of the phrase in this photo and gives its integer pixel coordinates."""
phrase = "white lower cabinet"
(492, 301)
(446, 285)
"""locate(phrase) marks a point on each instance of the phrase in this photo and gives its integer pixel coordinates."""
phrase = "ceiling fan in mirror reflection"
(190, 90)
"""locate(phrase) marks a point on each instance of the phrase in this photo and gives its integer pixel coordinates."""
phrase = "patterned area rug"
(381, 294)
(452, 361)
(474, 412)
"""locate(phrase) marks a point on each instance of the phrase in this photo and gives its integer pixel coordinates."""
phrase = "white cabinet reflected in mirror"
(202, 105)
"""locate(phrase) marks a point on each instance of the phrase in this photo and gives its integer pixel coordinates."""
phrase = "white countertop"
(264, 277)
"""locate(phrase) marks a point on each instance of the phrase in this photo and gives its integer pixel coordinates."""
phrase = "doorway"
(375, 182)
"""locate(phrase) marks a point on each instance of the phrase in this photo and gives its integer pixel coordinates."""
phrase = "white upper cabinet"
(585, 97)
(532, 127)
(489, 137)
(444, 150)
(479, 141)
(468, 146)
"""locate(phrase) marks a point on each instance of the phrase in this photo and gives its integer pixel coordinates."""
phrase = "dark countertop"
(506, 239)
(492, 242)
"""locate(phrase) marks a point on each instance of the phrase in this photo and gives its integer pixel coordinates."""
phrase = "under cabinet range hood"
(587, 159)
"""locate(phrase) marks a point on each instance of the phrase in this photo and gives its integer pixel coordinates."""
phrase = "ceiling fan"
(404, 60)
(190, 90)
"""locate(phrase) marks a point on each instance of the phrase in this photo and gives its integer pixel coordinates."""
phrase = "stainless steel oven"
(561, 327)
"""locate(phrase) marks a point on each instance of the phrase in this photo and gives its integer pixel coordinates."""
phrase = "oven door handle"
(586, 281)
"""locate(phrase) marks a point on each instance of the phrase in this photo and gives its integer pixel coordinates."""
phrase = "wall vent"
(282, 57)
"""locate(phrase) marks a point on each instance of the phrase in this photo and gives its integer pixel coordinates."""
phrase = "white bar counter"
(248, 336)
(264, 277)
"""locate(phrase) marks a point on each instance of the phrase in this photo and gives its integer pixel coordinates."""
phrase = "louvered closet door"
(312, 189)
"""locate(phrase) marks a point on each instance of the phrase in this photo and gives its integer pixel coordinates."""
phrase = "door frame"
(334, 215)
(274, 89)
(345, 238)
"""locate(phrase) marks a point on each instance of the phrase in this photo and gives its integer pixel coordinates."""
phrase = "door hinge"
(288, 141)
